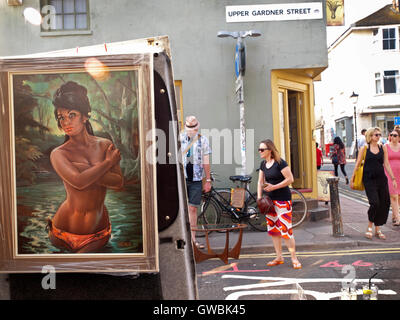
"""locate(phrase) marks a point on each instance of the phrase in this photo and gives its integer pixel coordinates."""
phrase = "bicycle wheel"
(208, 213)
(299, 207)
(225, 216)
(256, 220)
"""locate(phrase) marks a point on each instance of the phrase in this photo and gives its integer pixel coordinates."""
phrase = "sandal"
(368, 234)
(297, 265)
(396, 223)
(380, 235)
(275, 262)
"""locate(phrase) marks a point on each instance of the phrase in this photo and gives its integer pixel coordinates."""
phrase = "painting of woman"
(88, 166)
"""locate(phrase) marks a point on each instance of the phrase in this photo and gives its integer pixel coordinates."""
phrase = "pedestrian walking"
(395, 127)
(361, 140)
(338, 157)
(320, 159)
(375, 181)
(196, 161)
(393, 151)
(274, 178)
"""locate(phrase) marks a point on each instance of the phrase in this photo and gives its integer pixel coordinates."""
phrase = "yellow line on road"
(343, 254)
(353, 250)
(327, 253)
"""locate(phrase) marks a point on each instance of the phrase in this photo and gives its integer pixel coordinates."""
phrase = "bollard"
(336, 215)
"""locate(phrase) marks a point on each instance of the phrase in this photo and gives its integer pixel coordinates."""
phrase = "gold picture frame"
(120, 89)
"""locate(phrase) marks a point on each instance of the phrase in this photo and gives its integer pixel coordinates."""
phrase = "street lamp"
(354, 100)
(240, 68)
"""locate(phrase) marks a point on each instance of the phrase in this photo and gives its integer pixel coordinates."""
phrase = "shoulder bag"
(265, 204)
(358, 175)
(335, 158)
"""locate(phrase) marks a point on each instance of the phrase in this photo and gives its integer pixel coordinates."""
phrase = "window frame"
(380, 77)
(63, 31)
(395, 39)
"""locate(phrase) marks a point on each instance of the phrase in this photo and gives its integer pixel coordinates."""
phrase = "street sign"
(397, 121)
(274, 12)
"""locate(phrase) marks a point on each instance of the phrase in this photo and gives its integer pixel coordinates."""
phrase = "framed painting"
(77, 187)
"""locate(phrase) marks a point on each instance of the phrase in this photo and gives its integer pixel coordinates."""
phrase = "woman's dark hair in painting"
(73, 96)
(339, 142)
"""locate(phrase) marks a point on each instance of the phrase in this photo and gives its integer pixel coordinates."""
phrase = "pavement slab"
(317, 234)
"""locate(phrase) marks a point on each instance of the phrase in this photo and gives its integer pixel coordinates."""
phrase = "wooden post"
(336, 215)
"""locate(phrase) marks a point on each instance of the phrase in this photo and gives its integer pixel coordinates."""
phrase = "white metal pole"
(242, 126)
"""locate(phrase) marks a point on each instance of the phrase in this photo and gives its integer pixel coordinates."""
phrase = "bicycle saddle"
(240, 178)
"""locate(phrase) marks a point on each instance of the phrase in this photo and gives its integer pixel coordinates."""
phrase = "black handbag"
(335, 159)
(265, 204)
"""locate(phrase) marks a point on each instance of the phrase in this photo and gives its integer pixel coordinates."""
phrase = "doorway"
(294, 124)
(293, 118)
(295, 137)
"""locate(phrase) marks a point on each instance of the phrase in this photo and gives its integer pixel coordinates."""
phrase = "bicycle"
(216, 206)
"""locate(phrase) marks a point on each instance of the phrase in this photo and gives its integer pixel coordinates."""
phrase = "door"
(294, 124)
(295, 134)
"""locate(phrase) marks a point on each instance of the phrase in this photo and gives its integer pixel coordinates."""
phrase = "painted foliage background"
(114, 101)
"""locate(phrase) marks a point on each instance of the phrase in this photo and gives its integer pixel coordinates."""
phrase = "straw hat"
(192, 125)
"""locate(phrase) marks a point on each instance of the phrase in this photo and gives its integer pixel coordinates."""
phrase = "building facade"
(371, 71)
(281, 65)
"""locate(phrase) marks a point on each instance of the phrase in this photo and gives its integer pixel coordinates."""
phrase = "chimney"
(395, 5)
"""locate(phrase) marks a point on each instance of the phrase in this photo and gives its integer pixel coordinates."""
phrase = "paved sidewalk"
(317, 235)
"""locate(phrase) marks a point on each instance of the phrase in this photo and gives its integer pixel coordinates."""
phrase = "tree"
(26, 153)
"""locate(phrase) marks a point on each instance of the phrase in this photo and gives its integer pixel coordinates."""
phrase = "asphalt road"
(322, 277)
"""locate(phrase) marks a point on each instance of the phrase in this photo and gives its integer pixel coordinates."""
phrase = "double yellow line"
(327, 253)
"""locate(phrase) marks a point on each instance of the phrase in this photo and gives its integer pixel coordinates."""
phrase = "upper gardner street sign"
(274, 12)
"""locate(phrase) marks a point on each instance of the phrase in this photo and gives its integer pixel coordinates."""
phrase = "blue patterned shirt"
(199, 149)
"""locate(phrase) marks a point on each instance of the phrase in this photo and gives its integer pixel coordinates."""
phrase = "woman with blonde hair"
(274, 178)
(393, 151)
(375, 181)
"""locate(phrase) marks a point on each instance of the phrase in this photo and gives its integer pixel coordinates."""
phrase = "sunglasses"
(394, 135)
(377, 134)
(262, 150)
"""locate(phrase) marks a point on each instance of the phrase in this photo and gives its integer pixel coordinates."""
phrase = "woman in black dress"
(274, 178)
(375, 181)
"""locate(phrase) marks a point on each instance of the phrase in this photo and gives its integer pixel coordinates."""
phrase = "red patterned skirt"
(280, 221)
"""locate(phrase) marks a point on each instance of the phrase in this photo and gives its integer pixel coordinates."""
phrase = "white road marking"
(247, 290)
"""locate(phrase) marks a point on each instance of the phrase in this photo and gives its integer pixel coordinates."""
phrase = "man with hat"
(196, 161)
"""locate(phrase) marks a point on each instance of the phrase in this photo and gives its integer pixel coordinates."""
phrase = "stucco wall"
(202, 61)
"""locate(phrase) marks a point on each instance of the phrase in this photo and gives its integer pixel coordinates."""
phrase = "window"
(391, 81)
(389, 38)
(388, 83)
(386, 123)
(378, 83)
(66, 14)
